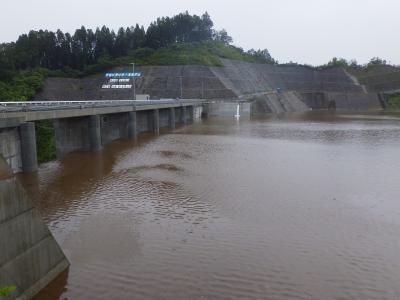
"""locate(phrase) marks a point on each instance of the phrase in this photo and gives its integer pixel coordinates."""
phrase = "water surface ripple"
(285, 207)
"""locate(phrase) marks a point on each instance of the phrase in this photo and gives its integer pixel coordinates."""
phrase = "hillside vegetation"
(393, 102)
(207, 53)
(22, 85)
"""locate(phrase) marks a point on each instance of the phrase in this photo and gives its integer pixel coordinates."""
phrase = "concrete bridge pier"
(95, 133)
(156, 120)
(171, 119)
(132, 126)
(184, 115)
(205, 111)
(28, 147)
(191, 113)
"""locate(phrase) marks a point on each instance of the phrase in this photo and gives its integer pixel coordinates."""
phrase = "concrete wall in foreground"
(30, 258)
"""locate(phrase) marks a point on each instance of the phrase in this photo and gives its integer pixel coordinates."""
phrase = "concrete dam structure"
(30, 257)
(272, 88)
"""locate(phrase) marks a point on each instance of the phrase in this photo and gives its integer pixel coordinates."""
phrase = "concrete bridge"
(84, 125)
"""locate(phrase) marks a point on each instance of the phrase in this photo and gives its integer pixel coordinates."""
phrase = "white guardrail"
(56, 105)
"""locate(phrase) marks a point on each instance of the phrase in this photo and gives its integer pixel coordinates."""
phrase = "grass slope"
(204, 54)
(393, 102)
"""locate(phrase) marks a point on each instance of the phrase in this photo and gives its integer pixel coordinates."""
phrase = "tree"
(338, 62)
(223, 37)
(375, 61)
(262, 55)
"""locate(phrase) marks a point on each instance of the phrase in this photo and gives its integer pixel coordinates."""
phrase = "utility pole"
(202, 88)
(134, 82)
(181, 86)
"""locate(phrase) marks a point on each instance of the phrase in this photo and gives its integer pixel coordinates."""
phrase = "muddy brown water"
(284, 207)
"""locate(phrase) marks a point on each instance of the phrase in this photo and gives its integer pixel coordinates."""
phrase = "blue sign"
(113, 75)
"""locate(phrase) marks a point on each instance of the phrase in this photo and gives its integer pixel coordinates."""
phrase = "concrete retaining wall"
(235, 80)
(275, 102)
(248, 78)
(30, 258)
(342, 101)
(197, 82)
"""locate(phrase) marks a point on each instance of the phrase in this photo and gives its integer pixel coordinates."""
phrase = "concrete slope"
(342, 100)
(193, 82)
(274, 102)
(248, 78)
(236, 80)
(30, 258)
(301, 87)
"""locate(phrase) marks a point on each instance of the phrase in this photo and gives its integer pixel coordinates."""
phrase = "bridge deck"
(33, 111)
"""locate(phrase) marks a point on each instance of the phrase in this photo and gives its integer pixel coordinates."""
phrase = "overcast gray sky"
(305, 31)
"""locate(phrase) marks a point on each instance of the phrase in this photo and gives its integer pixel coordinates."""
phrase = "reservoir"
(295, 206)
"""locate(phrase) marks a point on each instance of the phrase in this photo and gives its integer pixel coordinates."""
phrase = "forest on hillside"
(181, 39)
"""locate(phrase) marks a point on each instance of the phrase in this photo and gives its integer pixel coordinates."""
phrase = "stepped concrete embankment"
(317, 89)
(278, 88)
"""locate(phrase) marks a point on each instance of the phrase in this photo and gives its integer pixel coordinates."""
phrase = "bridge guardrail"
(59, 105)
